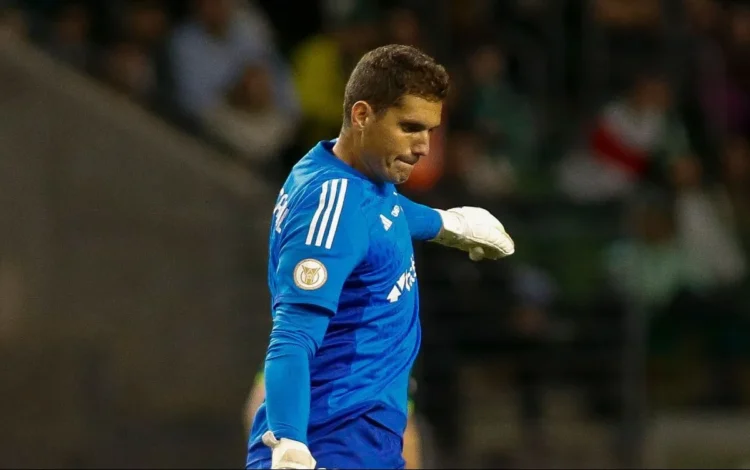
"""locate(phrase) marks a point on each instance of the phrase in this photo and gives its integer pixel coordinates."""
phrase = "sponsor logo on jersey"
(404, 283)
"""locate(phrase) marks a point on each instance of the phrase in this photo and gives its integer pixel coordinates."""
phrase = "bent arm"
(424, 222)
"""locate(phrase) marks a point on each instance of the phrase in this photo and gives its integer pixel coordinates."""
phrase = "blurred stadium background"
(142, 143)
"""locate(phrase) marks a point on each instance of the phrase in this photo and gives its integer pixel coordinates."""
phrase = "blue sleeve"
(424, 222)
(296, 335)
(323, 239)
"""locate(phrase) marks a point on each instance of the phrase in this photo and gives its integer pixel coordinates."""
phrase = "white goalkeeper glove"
(286, 453)
(475, 231)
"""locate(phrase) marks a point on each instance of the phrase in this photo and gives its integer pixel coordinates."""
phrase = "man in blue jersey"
(342, 275)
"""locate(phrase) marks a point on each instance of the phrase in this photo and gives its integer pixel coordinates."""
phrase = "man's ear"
(361, 113)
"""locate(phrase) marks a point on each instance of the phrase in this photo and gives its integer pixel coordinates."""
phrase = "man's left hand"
(475, 231)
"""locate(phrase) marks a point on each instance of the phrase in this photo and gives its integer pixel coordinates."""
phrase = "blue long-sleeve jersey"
(345, 307)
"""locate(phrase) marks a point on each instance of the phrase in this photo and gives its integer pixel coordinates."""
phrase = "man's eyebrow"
(416, 124)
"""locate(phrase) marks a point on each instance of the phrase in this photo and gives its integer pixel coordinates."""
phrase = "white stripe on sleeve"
(337, 214)
(314, 223)
(327, 214)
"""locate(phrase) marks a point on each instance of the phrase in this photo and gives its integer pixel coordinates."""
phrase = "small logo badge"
(396, 210)
(386, 223)
(310, 274)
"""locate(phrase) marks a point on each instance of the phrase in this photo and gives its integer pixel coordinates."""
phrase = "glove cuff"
(290, 453)
(452, 226)
(270, 440)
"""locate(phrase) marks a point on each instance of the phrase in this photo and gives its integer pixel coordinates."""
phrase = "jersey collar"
(324, 150)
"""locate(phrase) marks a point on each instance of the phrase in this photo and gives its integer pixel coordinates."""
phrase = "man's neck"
(344, 150)
(342, 147)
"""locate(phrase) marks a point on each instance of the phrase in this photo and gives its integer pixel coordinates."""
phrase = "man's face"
(394, 141)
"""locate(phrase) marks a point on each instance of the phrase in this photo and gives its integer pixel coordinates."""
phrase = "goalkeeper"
(342, 276)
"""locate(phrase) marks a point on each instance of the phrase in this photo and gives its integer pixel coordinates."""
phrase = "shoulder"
(310, 186)
(323, 203)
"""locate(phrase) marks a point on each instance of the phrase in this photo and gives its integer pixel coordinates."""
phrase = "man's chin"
(400, 173)
(400, 178)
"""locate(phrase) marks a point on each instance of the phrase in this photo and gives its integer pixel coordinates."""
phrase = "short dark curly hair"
(386, 74)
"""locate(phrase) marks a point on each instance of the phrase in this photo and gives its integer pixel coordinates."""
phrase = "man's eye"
(410, 128)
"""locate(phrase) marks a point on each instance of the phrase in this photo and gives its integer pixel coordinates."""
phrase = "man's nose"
(421, 146)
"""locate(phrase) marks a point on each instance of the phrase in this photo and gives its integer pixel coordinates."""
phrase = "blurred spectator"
(736, 180)
(704, 82)
(656, 273)
(68, 38)
(480, 172)
(504, 121)
(249, 121)
(403, 27)
(629, 34)
(680, 244)
(470, 22)
(143, 50)
(292, 29)
(627, 14)
(633, 137)
(129, 70)
(13, 23)
(210, 52)
(535, 292)
(648, 266)
(715, 76)
(146, 23)
(704, 21)
(705, 230)
(531, 330)
(737, 100)
(322, 65)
